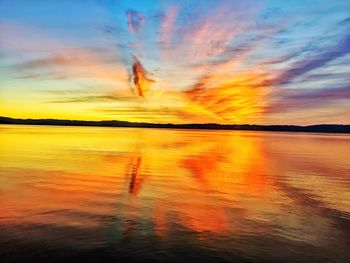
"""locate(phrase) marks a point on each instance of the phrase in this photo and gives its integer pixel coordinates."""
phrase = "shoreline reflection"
(221, 194)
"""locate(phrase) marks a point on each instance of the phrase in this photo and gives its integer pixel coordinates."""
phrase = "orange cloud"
(140, 79)
(233, 98)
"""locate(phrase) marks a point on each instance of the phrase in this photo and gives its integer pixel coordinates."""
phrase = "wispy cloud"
(101, 98)
(304, 99)
(315, 61)
(135, 20)
(73, 63)
(169, 25)
(140, 78)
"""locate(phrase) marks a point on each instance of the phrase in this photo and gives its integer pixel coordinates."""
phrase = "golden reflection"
(204, 181)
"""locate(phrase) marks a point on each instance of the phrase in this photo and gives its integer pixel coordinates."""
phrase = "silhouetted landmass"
(334, 128)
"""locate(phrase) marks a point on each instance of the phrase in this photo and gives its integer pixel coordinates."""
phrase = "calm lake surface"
(86, 194)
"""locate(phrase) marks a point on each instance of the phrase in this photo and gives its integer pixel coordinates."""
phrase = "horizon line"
(169, 123)
(324, 128)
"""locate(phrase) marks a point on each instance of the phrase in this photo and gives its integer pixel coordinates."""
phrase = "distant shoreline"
(326, 128)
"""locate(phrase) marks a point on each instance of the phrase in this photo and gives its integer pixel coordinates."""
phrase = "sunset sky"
(242, 61)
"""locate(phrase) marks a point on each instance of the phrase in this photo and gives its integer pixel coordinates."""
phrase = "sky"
(184, 61)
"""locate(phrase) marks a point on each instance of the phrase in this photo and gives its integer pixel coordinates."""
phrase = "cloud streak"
(304, 66)
(140, 79)
(300, 100)
(135, 20)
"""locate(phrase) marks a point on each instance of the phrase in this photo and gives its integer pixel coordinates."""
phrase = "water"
(85, 194)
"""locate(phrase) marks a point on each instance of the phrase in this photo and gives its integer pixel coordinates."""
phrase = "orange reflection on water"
(161, 182)
(73, 169)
